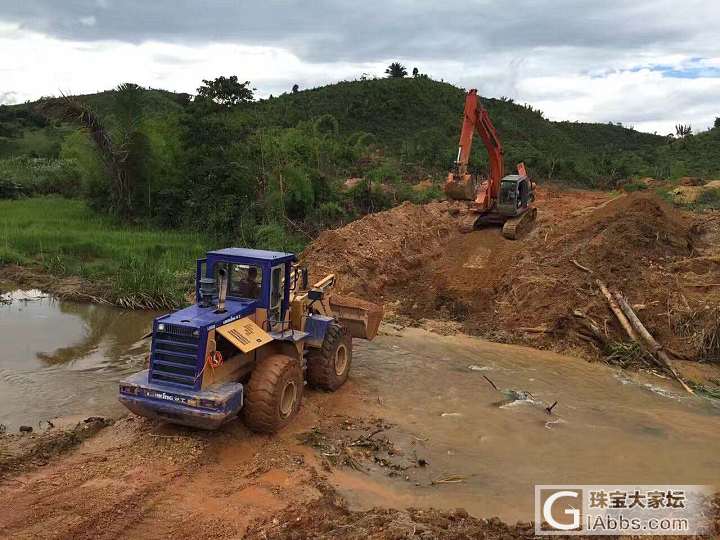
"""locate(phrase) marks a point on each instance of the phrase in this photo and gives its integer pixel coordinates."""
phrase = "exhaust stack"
(222, 290)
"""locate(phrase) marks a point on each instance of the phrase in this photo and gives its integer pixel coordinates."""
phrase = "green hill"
(416, 120)
(262, 168)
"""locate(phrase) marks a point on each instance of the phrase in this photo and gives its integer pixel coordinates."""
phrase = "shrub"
(631, 187)
(10, 189)
(709, 199)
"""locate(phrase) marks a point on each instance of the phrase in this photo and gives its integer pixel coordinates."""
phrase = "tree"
(226, 91)
(124, 152)
(716, 125)
(295, 89)
(396, 70)
(415, 72)
(683, 130)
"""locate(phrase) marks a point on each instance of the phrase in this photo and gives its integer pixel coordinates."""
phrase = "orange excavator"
(504, 200)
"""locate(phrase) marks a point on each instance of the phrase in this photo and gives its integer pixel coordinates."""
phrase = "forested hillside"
(275, 171)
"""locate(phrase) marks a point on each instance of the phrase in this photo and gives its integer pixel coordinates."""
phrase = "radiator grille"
(174, 357)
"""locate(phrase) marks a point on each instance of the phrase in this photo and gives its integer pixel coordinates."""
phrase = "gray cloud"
(324, 30)
(556, 54)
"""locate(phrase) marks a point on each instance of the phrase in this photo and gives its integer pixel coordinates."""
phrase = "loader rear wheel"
(273, 394)
(328, 367)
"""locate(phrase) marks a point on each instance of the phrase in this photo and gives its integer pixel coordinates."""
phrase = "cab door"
(277, 296)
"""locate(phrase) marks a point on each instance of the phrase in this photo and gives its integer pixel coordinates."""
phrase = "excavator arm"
(460, 184)
(509, 206)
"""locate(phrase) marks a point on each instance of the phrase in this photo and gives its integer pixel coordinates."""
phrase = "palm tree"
(121, 154)
(396, 70)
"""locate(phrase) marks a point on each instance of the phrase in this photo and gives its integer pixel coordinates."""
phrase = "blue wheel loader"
(255, 336)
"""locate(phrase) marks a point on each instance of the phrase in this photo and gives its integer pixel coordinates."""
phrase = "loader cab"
(515, 195)
(252, 276)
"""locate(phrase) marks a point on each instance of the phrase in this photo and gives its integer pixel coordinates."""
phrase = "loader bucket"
(362, 318)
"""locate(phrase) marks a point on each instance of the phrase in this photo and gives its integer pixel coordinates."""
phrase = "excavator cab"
(515, 195)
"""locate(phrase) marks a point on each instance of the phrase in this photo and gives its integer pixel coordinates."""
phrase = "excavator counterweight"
(504, 200)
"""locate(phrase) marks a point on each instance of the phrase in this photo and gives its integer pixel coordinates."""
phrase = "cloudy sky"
(646, 63)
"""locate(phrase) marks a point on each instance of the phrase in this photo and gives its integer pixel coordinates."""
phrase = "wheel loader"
(254, 337)
(503, 200)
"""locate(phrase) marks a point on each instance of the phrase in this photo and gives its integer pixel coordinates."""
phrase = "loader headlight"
(126, 389)
(161, 327)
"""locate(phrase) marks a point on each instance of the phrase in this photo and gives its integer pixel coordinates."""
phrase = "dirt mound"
(380, 249)
(629, 243)
(414, 259)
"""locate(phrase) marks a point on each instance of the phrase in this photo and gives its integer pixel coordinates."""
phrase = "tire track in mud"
(138, 479)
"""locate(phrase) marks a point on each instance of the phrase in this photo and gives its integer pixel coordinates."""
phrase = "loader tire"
(273, 394)
(328, 367)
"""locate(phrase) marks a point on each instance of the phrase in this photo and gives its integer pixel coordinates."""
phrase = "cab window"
(507, 193)
(245, 281)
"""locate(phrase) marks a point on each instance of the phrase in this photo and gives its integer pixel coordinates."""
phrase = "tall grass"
(141, 266)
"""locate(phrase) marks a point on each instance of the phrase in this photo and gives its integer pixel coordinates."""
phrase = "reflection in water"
(101, 325)
(41, 376)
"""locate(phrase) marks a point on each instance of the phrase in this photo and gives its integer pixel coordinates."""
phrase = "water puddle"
(64, 358)
(477, 412)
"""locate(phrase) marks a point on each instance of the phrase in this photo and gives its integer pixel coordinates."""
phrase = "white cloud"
(568, 82)
(35, 65)
(643, 99)
(90, 20)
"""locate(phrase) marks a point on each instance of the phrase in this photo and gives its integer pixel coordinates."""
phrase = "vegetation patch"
(142, 266)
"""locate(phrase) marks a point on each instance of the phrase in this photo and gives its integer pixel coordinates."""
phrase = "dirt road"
(417, 426)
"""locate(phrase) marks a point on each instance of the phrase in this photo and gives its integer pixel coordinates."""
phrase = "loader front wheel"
(273, 394)
(328, 367)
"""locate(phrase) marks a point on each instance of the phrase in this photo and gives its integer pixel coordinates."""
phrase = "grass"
(141, 267)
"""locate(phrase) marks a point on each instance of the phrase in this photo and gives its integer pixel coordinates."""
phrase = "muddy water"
(607, 427)
(63, 358)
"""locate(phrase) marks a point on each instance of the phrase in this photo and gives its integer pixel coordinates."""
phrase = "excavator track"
(517, 227)
(468, 222)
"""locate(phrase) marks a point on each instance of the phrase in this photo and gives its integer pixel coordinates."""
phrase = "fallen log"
(591, 327)
(619, 315)
(662, 357)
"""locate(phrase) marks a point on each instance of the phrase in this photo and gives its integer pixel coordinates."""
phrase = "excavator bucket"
(362, 318)
(460, 188)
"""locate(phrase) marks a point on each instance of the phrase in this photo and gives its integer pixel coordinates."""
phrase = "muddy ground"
(665, 261)
(138, 479)
(369, 461)
(132, 478)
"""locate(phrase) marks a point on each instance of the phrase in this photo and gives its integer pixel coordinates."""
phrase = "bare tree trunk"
(616, 310)
(650, 341)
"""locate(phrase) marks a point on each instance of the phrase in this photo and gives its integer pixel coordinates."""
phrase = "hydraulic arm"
(460, 182)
